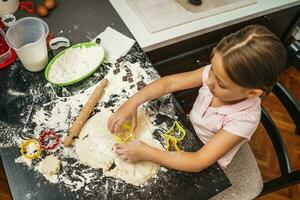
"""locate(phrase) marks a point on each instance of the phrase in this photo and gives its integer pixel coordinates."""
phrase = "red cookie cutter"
(48, 38)
(49, 140)
(27, 6)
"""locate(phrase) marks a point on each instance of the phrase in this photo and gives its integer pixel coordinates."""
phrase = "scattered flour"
(75, 27)
(75, 63)
(95, 147)
(15, 93)
(23, 159)
(32, 148)
(58, 115)
(65, 109)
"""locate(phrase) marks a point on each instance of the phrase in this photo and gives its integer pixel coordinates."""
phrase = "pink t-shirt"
(240, 119)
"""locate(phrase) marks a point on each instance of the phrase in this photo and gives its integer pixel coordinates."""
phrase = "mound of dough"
(96, 152)
(50, 165)
(95, 148)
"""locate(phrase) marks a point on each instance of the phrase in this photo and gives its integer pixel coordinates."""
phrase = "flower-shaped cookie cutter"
(125, 135)
(174, 135)
(49, 139)
(31, 149)
(27, 6)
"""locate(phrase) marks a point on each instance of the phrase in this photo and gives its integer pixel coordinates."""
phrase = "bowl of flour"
(74, 64)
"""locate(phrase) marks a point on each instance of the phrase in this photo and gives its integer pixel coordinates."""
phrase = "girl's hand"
(134, 151)
(125, 113)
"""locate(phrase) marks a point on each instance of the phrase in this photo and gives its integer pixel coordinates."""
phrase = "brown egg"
(50, 4)
(42, 11)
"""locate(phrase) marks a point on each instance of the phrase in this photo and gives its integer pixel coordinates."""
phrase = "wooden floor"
(4, 189)
(260, 143)
(262, 147)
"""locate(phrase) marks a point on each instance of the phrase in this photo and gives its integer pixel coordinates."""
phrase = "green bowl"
(80, 45)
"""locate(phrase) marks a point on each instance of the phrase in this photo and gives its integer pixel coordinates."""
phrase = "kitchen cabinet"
(195, 52)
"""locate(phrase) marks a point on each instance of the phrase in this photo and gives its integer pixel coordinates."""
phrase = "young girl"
(244, 67)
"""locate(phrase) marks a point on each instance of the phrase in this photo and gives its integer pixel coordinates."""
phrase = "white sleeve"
(242, 124)
(205, 73)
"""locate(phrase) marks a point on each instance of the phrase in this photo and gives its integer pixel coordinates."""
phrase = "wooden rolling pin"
(85, 113)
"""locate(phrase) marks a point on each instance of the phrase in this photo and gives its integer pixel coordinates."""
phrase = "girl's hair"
(253, 57)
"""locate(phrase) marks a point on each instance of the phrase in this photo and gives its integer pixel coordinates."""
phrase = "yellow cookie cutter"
(123, 136)
(24, 146)
(175, 134)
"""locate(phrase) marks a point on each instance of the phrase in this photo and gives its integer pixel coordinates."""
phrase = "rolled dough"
(95, 148)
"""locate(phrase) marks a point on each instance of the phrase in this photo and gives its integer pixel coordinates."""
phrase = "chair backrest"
(288, 176)
(293, 53)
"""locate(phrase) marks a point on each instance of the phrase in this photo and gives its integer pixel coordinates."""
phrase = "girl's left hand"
(134, 151)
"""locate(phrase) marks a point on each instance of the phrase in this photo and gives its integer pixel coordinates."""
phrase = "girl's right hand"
(125, 113)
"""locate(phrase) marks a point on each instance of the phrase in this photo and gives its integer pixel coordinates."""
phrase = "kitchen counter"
(23, 93)
(151, 41)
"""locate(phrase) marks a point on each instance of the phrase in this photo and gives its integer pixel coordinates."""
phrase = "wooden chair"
(243, 171)
(293, 53)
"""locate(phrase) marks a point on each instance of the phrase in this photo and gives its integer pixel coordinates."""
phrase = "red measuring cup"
(7, 55)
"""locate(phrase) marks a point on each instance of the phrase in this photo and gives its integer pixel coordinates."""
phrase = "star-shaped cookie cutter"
(125, 135)
(174, 135)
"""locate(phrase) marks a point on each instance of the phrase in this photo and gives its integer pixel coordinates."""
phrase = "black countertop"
(80, 21)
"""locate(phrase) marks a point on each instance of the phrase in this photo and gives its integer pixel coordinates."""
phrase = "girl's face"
(222, 87)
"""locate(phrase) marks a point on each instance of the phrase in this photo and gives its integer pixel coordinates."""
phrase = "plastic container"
(8, 7)
(27, 37)
(7, 55)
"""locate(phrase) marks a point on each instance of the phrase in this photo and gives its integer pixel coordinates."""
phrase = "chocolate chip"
(116, 71)
(127, 69)
(139, 87)
(120, 59)
(117, 65)
(98, 40)
(132, 86)
(140, 84)
(130, 80)
(125, 78)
